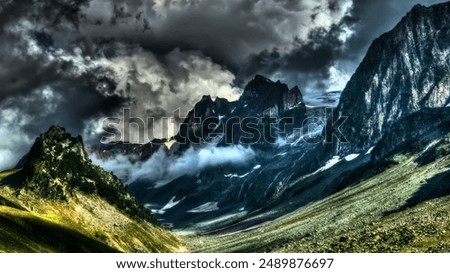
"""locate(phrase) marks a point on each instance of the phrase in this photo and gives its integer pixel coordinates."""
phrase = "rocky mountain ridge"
(265, 109)
(405, 70)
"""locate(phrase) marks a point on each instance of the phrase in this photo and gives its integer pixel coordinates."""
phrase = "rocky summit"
(57, 165)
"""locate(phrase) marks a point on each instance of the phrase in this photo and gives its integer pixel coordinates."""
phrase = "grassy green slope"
(21, 231)
(368, 217)
(85, 223)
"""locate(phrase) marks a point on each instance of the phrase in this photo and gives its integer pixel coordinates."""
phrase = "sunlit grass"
(7, 173)
(89, 219)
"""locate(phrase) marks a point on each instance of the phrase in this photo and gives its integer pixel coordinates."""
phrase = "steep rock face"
(261, 94)
(405, 70)
(425, 128)
(206, 118)
(293, 98)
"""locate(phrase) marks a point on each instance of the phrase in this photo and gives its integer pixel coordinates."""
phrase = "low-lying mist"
(162, 168)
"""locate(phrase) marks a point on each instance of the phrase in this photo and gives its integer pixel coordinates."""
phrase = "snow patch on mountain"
(350, 157)
(172, 203)
(207, 207)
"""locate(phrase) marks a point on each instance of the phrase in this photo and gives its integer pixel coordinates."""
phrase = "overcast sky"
(74, 62)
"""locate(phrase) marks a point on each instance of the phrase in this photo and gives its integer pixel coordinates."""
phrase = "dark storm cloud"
(235, 34)
(83, 95)
(55, 11)
(307, 63)
(223, 30)
(22, 75)
(42, 84)
(29, 59)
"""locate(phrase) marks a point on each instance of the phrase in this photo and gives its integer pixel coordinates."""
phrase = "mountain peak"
(260, 81)
(57, 168)
(262, 94)
(56, 131)
(261, 78)
(434, 14)
(56, 142)
(404, 71)
(296, 90)
(418, 7)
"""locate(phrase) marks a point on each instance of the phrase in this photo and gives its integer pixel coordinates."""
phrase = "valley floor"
(405, 208)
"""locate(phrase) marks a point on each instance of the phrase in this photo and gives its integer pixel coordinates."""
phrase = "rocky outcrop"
(292, 99)
(57, 166)
(262, 94)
